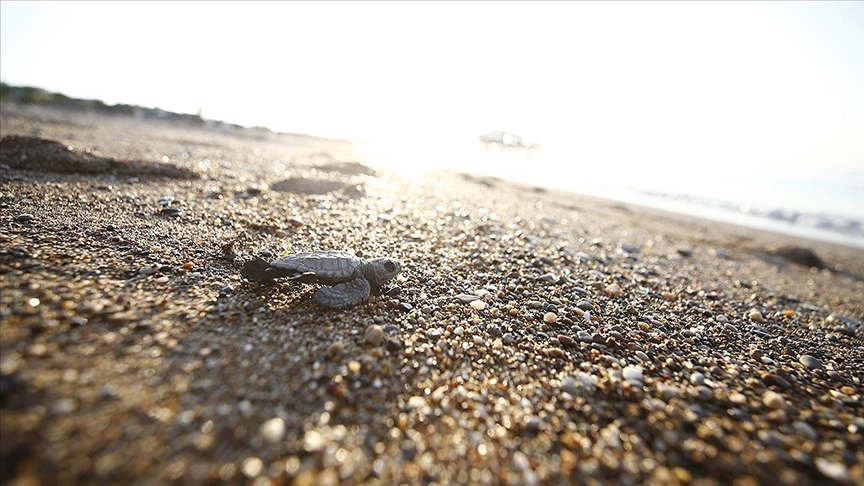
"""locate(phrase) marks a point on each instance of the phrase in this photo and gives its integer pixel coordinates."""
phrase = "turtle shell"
(327, 267)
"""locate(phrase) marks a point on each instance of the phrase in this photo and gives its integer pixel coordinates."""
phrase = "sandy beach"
(533, 336)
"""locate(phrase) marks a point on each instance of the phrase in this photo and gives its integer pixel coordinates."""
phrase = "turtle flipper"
(345, 294)
(255, 270)
(306, 277)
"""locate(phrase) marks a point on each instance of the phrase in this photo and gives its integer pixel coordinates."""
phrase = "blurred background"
(747, 112)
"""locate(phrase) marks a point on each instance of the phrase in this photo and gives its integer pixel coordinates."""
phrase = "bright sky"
(735, 84)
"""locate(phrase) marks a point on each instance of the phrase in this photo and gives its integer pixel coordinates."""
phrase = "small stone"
(550, 318)
(478, 305)
(773, 400)
(669, 295)
(629, 248)
(810, 361)
(24, 218)
(836, 471)
(737, 398)
(755, 315)
(805, 430)
(633, 375)
(777, 380)
(721, 253)
(509, 338)
(585, 305)
(584, 336)
(373, 335)
(685, 252)
(252, 467)
(149, 269)
(566, 341)
(416, 402)
(697, 378)
(465, 298)
(393, 344)
(614, 290)
(405, 307)
(273, 430)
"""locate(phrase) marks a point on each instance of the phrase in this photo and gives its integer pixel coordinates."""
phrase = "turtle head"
(380, 270)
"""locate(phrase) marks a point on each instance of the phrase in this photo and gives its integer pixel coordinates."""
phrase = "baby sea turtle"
(350, 279)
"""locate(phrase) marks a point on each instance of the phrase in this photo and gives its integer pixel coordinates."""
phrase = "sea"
(816, 203)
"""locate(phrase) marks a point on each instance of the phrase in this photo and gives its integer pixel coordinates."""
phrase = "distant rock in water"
(800, 255)
(39, 154)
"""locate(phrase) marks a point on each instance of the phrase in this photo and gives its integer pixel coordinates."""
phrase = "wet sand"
(533, 337)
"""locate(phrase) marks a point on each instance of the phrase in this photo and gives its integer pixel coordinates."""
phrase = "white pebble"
(773, 400)
(273, 430)
(478, 305)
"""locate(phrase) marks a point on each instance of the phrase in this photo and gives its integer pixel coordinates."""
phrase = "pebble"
(373, 335)
(773, 400)
(805, 430)
(465, 298)
(584, 336)
(756, 316)
(629, 248)
(614, 290)
(508, 338)
(273, 430)
(149, 269)
(252, 467)
(566, 341)
(633, 375)
(550, 318)
(24, 218)
(478, 305)
(405, 307)
(416, 402)
(810, 361)
(721, 253)
(777, 380)
(836, 471)
(585, 305)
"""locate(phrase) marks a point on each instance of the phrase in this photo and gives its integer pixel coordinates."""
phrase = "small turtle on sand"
(350, 279)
